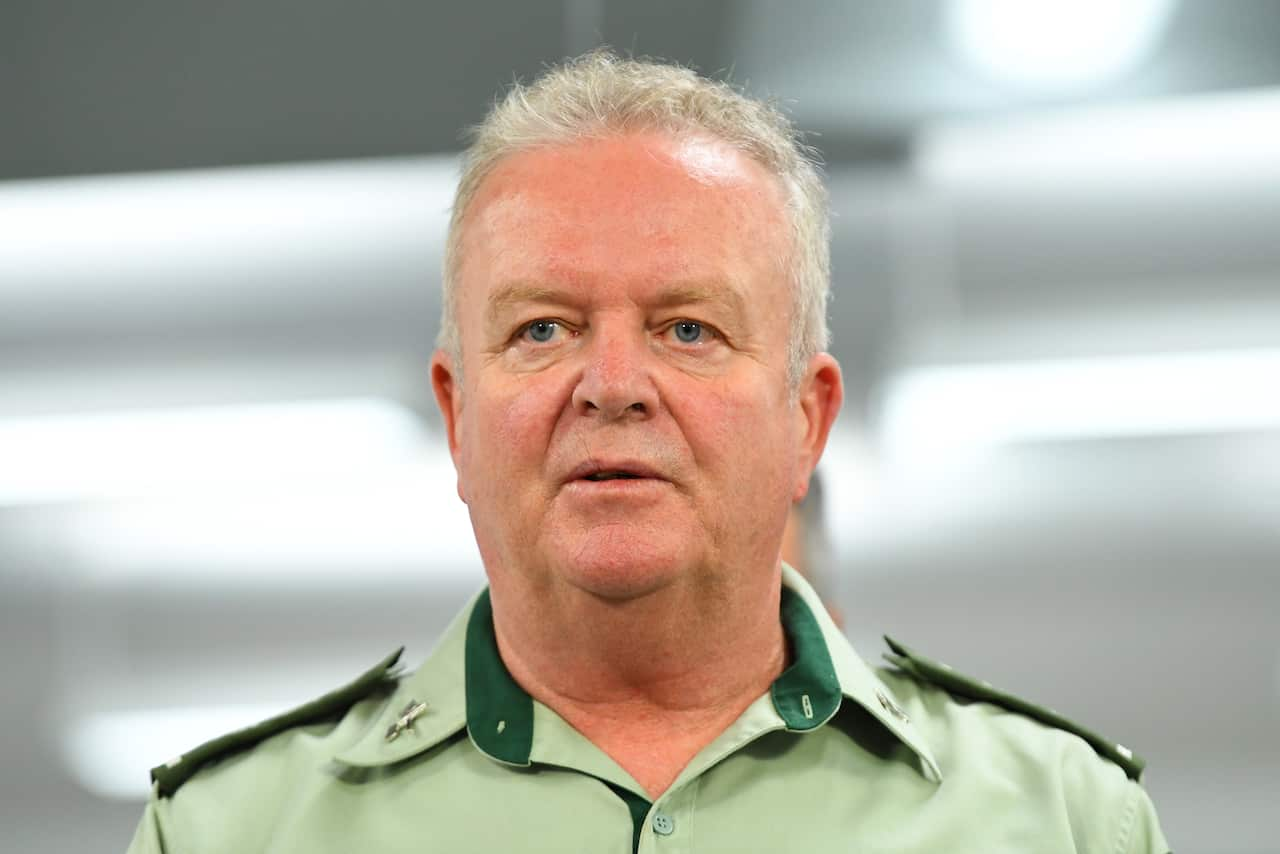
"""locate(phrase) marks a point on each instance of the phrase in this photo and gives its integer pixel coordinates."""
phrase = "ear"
(819, 398)
(448, 392)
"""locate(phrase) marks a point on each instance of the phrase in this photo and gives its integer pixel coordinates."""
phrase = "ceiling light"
(941, 410)
(1167, 144)
(57, 458)
(1055, 45)
(222, 242)
(406, 521)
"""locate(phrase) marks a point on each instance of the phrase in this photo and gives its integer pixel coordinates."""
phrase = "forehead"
(643, 205)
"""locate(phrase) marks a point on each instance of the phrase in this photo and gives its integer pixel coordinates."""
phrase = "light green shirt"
(836, 757)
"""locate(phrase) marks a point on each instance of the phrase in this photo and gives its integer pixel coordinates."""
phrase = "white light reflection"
(1052, 44)
(166, 236)
(195, 450)
(949, 410)
(111, 753)
(387, 525)
(1167, 144)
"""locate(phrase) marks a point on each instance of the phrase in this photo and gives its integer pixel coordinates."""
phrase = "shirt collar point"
(855, 680)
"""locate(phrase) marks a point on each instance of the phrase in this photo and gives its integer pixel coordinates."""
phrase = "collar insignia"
(408, 715)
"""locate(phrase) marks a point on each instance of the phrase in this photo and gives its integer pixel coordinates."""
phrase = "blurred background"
(224, 490)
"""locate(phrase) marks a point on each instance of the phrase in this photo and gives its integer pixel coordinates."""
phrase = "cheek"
(507, 431)
(745, 434)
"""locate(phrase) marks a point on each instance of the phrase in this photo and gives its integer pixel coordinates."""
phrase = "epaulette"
(956, 683)
(170, 776)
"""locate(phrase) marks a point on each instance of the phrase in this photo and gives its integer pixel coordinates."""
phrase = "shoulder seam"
(168, 778)
(1126, 827)
(949, 680)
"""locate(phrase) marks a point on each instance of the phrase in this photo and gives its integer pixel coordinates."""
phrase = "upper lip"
(631, 467)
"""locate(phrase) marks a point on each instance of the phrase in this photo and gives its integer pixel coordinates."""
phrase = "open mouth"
(599, 471)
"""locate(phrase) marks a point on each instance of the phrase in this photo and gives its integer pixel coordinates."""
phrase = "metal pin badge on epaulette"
(404, 721)
(168, 778)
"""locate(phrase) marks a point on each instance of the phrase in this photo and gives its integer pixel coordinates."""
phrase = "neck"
(650, 681)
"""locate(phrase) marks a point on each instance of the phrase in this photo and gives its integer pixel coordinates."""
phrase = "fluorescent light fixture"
(226, 240)
(398, 523)
(1052, 44)
(1166, 144)
(57, 458)
(111, 753)
(943, 410)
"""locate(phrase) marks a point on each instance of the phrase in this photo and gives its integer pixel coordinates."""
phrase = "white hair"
(599, 95)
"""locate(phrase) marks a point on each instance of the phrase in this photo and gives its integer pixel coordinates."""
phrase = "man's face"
(623, 420)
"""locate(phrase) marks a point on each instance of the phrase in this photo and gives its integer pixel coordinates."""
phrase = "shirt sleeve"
(1109, 813)
(1142, 834)
(148, 839)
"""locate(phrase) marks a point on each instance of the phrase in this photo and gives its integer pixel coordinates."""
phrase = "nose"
(616, 383)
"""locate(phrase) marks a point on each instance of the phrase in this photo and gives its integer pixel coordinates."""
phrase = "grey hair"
(600, 94)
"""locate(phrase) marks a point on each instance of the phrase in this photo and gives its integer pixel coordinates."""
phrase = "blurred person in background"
(633, 376)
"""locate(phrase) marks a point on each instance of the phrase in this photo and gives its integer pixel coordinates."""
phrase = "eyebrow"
(695, 293)
(520, 293)
(723, 295)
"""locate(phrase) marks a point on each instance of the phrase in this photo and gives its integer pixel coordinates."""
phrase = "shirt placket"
(669, 826)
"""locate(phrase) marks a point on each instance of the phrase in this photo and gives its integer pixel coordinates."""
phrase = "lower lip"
(615, 487)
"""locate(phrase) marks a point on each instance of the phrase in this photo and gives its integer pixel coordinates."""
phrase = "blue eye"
(688, 331)
(541, 331)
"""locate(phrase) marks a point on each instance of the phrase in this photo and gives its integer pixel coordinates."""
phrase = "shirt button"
(662, 824)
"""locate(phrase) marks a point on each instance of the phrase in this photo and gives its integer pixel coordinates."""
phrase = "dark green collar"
(500, 712)
(807, 693)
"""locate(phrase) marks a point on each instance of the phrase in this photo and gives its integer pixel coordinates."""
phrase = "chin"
(621, 567)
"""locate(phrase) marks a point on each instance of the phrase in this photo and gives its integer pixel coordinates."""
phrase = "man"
(633, 380)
